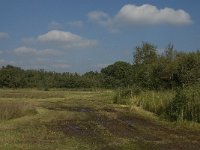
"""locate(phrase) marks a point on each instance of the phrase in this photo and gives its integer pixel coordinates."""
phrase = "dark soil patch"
(119, 129)
(80, 109)
(61, 106)
(98, 127)
(78, 128)
(109, 110)
(136, 121)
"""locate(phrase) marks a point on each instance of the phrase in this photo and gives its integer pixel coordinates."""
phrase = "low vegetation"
(182, 104)
(13, 109)
(87, 120)
(153, 101)
(185, 105)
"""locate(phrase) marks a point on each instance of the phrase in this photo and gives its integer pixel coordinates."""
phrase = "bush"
(153, 101)
(123, 96)
(185, 105)
(176, 109)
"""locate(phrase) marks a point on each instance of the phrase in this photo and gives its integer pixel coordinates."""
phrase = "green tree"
(120, 71)
(145, 54)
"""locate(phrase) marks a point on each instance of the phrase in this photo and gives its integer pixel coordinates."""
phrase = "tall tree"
(145, 54)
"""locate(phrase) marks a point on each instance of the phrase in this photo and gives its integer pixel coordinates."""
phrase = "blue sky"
(84, 35)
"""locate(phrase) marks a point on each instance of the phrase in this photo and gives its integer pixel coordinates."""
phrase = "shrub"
(123, 96)
(176, 109)
(185, 105)
(153, 101)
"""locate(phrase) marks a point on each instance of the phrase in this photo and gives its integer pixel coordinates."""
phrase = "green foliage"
(153, 101)
(124, 95)
(182, 104)
(150, 70)
(118, 74)
(185, 105)
(145, 54)
(14, 77)
(176, 109)
(11, 77)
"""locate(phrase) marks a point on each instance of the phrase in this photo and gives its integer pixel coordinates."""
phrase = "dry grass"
(10, 109)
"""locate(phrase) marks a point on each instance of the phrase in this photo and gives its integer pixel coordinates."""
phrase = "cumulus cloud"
(62, 39)
(4, 35)
(31, 51)
(131, 15)
(76, 24)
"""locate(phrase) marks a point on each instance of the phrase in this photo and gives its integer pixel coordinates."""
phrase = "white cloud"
(25, 50)
(149, 14)
(131, 15)
(4, 35)
(76, 24)
(62, 39)
(58, 36)
(31, 51)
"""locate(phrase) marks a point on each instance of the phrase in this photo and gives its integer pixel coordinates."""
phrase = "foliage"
(145, 54)
(124, 95)
(153, 101)
(118, 75)
(150, 70)
(185, 105)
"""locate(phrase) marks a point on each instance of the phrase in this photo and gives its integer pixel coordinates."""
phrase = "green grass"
(178, 105)
(153, 101)
(185, 104)
(86, 120)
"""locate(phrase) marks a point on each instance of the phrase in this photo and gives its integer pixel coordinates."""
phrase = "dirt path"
(113, 127)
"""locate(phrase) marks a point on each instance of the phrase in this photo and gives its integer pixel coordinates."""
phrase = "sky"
(84, 35)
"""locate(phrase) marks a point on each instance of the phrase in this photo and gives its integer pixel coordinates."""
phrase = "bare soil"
(124, 124)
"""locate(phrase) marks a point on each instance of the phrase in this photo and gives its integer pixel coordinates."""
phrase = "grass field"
(82, 120)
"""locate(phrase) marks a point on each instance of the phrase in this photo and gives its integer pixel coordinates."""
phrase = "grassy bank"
(174, 105)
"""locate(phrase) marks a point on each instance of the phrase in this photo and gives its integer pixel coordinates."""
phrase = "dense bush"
(185, 105)
(153, 101)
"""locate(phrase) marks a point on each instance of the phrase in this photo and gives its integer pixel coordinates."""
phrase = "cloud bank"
(132, 15)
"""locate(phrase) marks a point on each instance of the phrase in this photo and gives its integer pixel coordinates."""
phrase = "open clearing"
(88, 120)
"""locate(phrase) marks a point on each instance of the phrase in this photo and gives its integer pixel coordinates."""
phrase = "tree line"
(150, 69)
